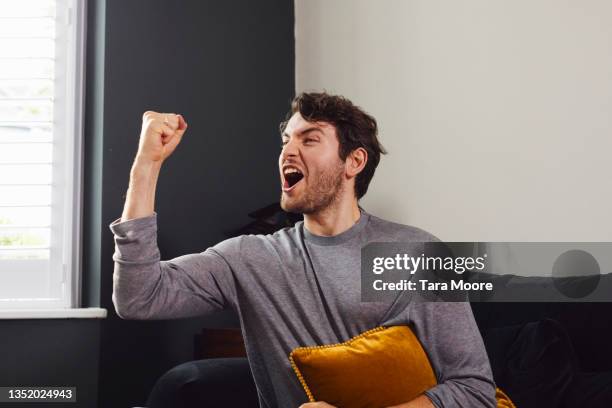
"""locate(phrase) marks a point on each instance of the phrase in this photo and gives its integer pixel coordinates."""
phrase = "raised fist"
(160, 134)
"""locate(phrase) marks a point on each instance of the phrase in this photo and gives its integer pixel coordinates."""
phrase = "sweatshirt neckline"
(340, 238)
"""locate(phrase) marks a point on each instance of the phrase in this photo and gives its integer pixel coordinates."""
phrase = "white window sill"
(84, 313)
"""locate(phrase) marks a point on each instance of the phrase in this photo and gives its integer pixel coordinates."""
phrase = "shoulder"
(393, 231)
(260, 244)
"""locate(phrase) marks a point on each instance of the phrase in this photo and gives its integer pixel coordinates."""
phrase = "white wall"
(497, 114)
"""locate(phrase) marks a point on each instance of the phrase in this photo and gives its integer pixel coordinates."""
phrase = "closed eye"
(305, 141)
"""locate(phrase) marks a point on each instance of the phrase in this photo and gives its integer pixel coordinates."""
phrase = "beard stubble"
(319, 195)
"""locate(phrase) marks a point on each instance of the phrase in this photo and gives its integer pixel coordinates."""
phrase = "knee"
(211, 382)
(168, 391)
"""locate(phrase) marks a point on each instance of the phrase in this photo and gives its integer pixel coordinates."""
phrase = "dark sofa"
(550, 354)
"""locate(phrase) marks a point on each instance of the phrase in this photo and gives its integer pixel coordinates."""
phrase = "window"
(41, 109)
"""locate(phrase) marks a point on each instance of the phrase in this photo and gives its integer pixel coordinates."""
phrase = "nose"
(289, 150)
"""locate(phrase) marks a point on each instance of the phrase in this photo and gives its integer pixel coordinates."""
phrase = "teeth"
(291, 170)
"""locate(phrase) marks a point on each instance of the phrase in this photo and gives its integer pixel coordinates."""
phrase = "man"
(299, 286)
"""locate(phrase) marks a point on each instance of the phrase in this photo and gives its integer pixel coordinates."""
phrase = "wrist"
(145, 167)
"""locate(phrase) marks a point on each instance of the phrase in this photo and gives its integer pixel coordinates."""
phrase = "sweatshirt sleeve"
(147, 288)
(448, 333)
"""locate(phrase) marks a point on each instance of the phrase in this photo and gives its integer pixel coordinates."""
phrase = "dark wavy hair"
(354, 127)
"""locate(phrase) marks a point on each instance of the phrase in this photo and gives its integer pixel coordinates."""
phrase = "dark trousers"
(215, 382)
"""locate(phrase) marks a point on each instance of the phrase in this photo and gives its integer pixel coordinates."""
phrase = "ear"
(356, 161)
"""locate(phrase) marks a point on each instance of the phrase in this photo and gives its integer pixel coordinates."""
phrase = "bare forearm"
(419, 402)
(140, 197)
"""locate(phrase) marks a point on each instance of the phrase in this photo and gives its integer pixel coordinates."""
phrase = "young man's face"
(311, 172)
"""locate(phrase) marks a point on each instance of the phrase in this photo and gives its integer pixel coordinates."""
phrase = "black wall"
(51, 352)
(228, 67)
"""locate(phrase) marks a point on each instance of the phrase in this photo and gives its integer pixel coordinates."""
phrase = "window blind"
(40, 121)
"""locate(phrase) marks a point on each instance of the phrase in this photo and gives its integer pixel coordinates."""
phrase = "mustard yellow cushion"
(381, 367)
(503, 401)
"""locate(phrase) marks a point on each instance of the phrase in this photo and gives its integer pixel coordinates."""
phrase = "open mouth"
(292, 176)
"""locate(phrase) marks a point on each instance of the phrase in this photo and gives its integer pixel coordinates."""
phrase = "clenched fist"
(160, 134)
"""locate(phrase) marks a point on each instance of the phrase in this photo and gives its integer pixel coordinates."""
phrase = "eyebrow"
(304, 132)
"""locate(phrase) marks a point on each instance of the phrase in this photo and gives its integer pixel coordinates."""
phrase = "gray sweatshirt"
(293, 288)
